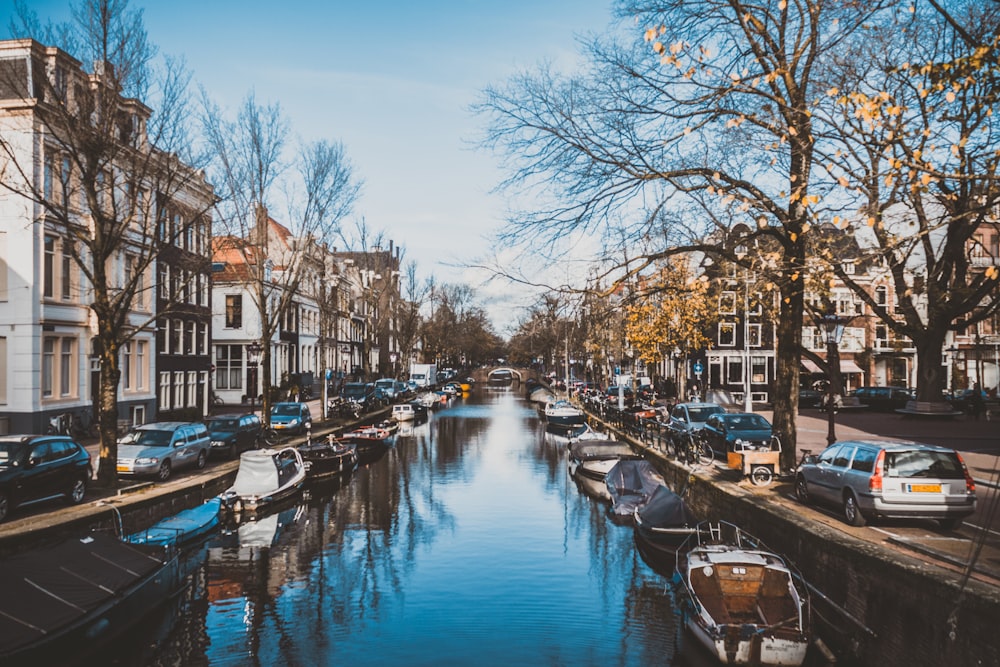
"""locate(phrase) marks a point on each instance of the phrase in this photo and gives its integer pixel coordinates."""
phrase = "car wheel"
(951, 523)
(852, 513)
(802, 490)
(4, 506)
(77, 491)
(163, 474)
(202, 459)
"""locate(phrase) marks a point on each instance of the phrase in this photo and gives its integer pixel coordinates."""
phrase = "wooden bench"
(929, 409)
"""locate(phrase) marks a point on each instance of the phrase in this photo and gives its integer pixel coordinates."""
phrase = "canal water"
(465, 543)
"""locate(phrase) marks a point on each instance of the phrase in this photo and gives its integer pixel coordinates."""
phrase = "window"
(234, 311)
(727, 303)
(189, 338)
(176, 337)
(48, 366)
(140, 365)
(228, 366)
(848, 268)
(882, 296)
(164, 279)
(49, 268)
(727, 334)
(881, 335)
(65, 185)
(127, 366)
(48, 177)
(66, 367)
(164, 397)
(66, 279)
(758, 369)
(753, 335)
(3, 266)
(734, 369)
(192, 388)
(3, 370)
(178, 389)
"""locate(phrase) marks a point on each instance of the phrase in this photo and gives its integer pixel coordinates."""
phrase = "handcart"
(760, 462)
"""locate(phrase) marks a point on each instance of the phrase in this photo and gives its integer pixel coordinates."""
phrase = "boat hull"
(182, 528)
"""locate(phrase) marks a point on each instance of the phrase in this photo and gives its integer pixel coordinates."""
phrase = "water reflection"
(465, 541)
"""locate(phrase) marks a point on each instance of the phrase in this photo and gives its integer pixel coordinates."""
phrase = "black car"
(724, 430)
(366, 394)
(39, 467)
(234, 434)
(884, 399)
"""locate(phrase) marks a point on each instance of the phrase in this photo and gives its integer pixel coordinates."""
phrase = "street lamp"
(253, 358)
(392, 360)
(741, 253)
(834, 328)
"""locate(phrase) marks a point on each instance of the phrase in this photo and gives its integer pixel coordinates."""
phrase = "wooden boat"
(630, 483)
(64, 603)
(662, 524)
(367, 434)
(265, 476)
(564, 414)
(328, 458)
(744, 603)
(182, 528)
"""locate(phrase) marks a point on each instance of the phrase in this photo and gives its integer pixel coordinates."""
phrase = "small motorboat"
(630, 484)
(182, 528)
(391, 425)
(564, 414)
(403, 412)
(662, 524)
(328, 458)
(265, 477)
(594, 458)
(369, 441)
(746, 604)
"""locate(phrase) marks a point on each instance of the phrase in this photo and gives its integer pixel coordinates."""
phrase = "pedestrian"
(976, 401)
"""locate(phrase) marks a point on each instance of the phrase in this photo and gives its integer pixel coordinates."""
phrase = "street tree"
(722, 116)
(913, 117)
(255, 169)
(120, 182)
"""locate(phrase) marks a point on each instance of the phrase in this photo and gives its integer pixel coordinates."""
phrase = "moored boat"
(265, 476)
(594, 458)
(662, 524)
(183, 528)
(64, 603)
(328, 458)
(744, 603)
(564, 414)
(630, 483)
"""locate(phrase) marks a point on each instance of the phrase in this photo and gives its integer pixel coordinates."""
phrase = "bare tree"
(112, 169)
(720, 117)
(319, 187)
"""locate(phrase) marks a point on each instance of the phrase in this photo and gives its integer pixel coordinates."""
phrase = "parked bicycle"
(77, 425)
(694, 449)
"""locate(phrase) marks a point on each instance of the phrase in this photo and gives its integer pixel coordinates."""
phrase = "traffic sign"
(698, 368)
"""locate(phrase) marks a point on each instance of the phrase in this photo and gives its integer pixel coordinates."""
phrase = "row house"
(48, 336)
(328, 330)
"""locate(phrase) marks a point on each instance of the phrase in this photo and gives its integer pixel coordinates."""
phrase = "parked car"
(366, 394)
(291, 418)
(725, 429)
(884, 399)
(611, 394)
(686, 418)
(810, 398)
(389, 388)
(962, 400)
(34, 468)
(159, 448)
(233, 434)
(868, 480)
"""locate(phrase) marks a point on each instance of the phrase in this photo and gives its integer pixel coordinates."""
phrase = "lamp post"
(253, 358)
(392, 360)
(834, 329)
(741, 252)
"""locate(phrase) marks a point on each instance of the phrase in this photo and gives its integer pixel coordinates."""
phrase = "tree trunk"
(931, 376)
(107, 475)
(785, 396)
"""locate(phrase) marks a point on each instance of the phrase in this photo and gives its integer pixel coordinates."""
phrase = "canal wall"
(876, 605)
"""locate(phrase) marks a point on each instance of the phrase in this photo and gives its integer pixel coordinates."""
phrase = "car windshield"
(747, 422)
(150, 438)
(285, 409)
(223, 425)
(354, 390)
(387, 384)
(702, 414)
(943, 465)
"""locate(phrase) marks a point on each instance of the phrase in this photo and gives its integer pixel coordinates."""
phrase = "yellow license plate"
(925, 488)
(122, 468)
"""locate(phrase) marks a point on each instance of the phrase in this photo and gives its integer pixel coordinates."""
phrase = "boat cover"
(264, 471)
(586, 450)
(48, 589)
(630, 483)
(665, 509)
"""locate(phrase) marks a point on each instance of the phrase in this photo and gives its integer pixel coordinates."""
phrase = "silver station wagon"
(873, 479)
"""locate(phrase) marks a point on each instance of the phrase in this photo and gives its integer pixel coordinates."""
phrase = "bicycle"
(696, 450)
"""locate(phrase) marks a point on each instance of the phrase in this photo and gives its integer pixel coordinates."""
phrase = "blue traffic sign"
(698, 368)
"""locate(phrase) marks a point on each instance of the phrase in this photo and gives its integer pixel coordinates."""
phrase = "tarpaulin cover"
(264, 471)
(47, 589)
(665, 509)
(630, 483)
(586, 450)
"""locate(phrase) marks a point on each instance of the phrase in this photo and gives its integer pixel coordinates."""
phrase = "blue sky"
(393, 81)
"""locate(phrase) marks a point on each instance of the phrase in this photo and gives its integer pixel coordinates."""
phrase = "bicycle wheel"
(702, 452)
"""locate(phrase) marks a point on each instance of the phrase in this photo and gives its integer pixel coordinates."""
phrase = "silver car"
(874, 479)
(159, 448)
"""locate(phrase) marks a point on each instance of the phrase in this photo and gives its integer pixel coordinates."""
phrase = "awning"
(846, 366)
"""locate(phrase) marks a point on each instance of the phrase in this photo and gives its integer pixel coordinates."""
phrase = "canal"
(465, 543)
